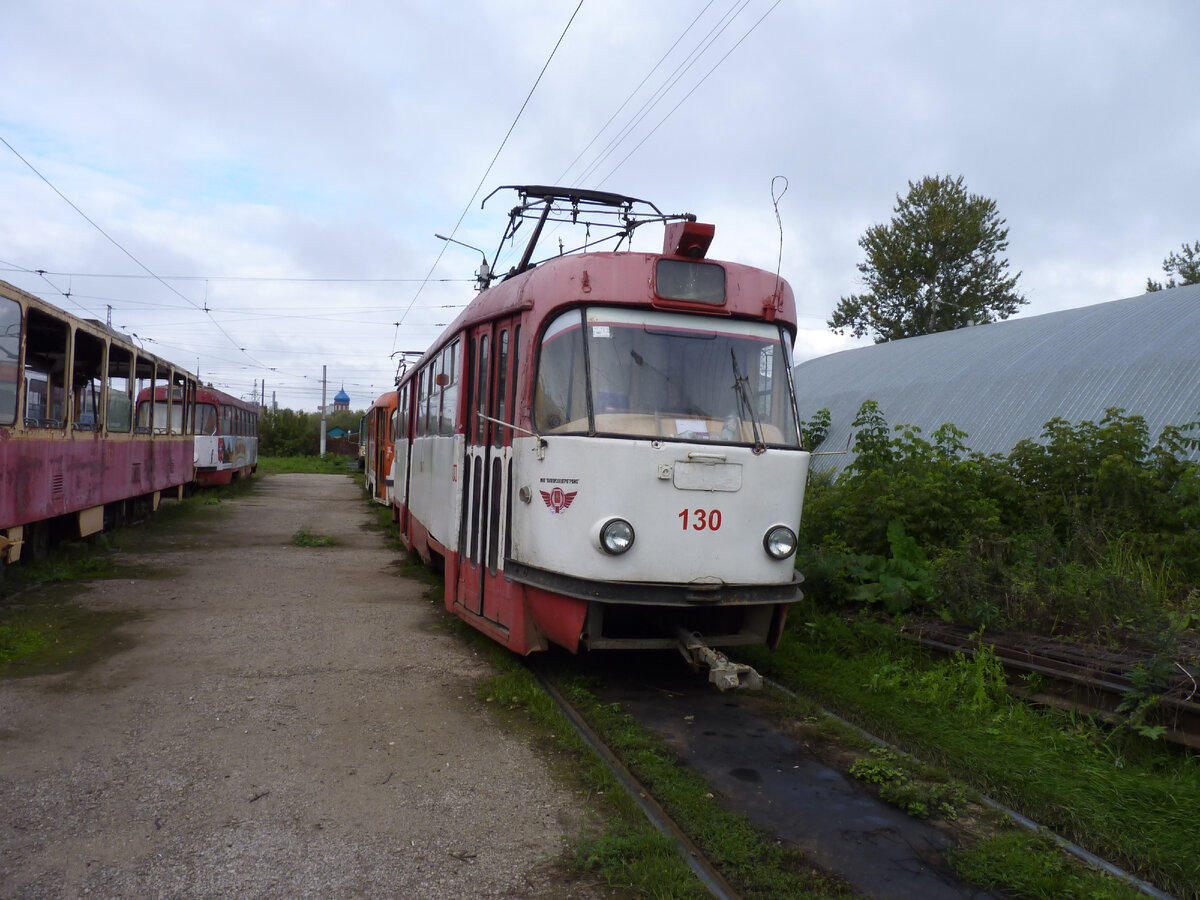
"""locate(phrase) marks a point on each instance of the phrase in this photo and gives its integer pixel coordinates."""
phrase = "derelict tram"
(226, 443)
(377, 437)
(602, 451)
(74, 457)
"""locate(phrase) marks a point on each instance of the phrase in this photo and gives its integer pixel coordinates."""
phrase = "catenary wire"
(488, 171)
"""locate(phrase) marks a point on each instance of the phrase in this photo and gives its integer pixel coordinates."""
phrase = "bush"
(1092, 528)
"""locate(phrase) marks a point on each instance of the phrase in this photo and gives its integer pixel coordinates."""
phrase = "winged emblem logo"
(558, 499)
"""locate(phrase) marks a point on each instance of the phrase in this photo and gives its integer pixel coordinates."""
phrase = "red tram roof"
(619, 279)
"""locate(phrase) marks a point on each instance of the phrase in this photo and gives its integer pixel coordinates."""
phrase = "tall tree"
(935, 267)
(1185, 264)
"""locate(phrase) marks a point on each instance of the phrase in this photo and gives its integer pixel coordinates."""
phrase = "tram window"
(671, 375)
(695, 282)
(402, 409)
(181, 405)
(450, 390)
(10, 348)
(438, 390)
(501, 386)
(206, 419)
(421, 400)
(87, 381)
(560, 395)
(424, 411)
(174, 415)
(145, 383)
(118, 408)
(516, 368)
(392, 423)
(45, 370)
(481, 391)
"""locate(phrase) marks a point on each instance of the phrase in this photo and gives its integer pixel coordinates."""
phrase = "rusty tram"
(602, 450)
(76, 454)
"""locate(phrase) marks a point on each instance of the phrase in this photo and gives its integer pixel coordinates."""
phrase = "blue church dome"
(341, 397)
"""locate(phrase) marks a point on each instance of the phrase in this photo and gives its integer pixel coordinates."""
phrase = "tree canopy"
(935, 267)
(1185, 264)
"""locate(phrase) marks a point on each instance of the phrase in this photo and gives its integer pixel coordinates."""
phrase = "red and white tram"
(602, 450)
(72, 452)
(226, 443)
(378, 438)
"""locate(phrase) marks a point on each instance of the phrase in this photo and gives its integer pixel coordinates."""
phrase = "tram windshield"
(644, 373)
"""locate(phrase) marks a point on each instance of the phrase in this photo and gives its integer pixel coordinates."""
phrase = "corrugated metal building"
(1002, 382)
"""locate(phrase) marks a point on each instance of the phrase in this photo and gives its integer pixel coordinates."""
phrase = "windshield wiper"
(740, 386)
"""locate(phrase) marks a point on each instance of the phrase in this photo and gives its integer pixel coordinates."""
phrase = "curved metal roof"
(1001, 382)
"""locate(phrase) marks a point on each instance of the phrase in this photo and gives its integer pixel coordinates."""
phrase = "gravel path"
(281, 722)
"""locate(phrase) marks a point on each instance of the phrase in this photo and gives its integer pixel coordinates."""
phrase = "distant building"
(1001, 382)
(341, 401)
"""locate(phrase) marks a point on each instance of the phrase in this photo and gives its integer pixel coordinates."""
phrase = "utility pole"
(323, 410)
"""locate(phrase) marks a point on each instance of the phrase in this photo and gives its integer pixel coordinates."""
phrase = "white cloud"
(332, 140)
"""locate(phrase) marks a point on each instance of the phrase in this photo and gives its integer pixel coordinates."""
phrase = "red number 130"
(701, 520)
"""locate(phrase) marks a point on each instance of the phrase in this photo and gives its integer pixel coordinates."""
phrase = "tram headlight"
(616, 536)
(779, 542)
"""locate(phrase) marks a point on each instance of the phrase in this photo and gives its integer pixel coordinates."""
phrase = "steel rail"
(1086, 685)
(1075, 850)
(712, 879)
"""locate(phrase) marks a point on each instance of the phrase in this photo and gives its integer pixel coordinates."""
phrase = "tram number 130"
(700, 519)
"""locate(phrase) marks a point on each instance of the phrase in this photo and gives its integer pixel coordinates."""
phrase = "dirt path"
(284, 722)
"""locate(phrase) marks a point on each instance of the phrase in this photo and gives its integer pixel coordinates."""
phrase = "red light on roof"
(690, 239)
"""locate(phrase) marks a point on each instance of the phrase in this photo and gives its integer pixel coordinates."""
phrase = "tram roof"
(1001, 382)
(615, 279)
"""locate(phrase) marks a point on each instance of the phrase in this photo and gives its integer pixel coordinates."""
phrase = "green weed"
(1128, 800)
(304, 537)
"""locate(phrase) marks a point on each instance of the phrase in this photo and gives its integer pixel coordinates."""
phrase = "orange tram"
(602, 450)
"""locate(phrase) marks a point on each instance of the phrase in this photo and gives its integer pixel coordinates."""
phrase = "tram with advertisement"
(74, 457)
(602, 450)
(226, 429)
(377, 437)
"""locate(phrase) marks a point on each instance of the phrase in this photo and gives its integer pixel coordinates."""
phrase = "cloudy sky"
(282, 167)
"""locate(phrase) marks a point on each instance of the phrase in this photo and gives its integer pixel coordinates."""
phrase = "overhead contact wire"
(491, 165)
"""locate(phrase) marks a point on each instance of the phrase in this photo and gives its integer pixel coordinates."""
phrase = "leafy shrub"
(1091, 528)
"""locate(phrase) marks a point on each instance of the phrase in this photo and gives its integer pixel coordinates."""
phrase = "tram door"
(401, 501)
(488, 467)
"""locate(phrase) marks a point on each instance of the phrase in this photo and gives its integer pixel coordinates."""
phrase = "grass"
(44, 629)
(748, 856)
(305, 538)
(1127, 799)
(618, 845)
(313, 465)
(47, 632)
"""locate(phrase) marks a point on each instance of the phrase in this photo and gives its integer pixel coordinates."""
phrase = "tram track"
(705, 870)
(1093, 680)
(760, 770)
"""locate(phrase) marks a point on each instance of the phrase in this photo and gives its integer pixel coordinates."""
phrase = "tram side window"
(87, 381)
(450, 389)
(560, 395)
(118, 414)
(206, 418)
(481, 391)
(402, 410)
(10, 348)
(45, 370)
(433, 426)
(419, 411)
(146, 381)
(182, 406)
(501, 386)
